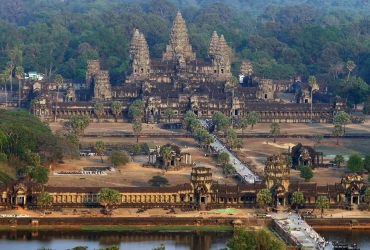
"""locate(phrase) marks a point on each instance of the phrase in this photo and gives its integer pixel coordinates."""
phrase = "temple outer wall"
(132, 221)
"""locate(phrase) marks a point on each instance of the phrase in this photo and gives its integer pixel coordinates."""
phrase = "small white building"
(33, 75)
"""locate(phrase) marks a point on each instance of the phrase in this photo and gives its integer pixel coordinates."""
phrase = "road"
(241, 168)
(301, 231)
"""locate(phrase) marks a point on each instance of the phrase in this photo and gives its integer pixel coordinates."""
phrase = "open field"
(254, 153)
(286, 128)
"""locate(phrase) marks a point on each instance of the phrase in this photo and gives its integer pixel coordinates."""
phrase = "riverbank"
(122, 228)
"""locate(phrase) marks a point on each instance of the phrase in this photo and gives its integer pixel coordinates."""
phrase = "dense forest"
(283, 38)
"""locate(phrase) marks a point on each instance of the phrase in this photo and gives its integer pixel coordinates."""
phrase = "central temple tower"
(179, 48)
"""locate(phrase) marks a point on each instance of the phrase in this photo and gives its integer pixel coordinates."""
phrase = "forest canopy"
(285, 39)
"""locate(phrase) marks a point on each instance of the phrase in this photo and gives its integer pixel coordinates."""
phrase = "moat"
(141, 240)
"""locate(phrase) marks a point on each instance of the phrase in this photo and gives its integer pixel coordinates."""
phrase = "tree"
(342, 118)
(259, 239)
(108, 198)
(188, 122)
(318, 138)
(366, 162)
(166, 153)
(338, 159)
(224, 123)
(100, 149)
(229, 169)
(77, 124)
(337, 131)
(136, 110)
(230, 136)
(118, 158)
(10, 67)
(297, 199)
(116, 108)
(264, 198)
(243, 124)
(58, 79)
(39, 174)
(35, 105)
(169, 113)
(98, 109)
(313, 84)
(199, 135)
(137, 127)
(275, 129)
(158, 181)
(355, 163)
(44, 200)
(19, 73)
(306, 173)
(216, 117)
(252, 118)
(4, 78)
(322, 203)
(350, 66)
(135, 148)
(367, 197)
(223, 158)
(239, 143)
(232, 84)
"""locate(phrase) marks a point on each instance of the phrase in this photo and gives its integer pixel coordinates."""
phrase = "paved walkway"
(303, 232)
(246, 174)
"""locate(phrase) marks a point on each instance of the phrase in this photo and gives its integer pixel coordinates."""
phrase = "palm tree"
(312, 83)
(116, 107)
(108, 198)
(19, 73)
(338, 131)
(169, 113)
(275, 129)
(44, 200)
(297, 199)
(166, 153)
(137, 127)
(350, 66)
(4, 79)
(15, 60)
(98, 109)
(10, 68)
(243, 124)
(100, 149)
(264, 197)
(58, 79)
(322, 203)
(35, 104)
(232, 84)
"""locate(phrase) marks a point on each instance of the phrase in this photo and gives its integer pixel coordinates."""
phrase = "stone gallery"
(180, 81)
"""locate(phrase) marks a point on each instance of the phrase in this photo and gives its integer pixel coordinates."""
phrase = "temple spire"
(213, 44)
(139, 53)
(179, 47)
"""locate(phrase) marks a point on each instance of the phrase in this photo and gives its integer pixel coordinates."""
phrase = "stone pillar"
(190, 159)
(186, 158)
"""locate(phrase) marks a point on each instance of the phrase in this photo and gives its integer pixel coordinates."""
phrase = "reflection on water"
(361, 237)
(137, 240)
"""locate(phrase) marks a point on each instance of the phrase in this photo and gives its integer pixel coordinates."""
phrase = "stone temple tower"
(222, 58)
(139, 54)
(213, 43)
(277, 172)
(179, 48)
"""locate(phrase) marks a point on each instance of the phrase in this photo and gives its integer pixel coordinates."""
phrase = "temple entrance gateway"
(20, 200)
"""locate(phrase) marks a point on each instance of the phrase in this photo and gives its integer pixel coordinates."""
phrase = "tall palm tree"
(10, 68)
(16, 58)
(312, 83)
(4, 79)
(58, 79)
(19, 73)
(350, 66)
(116, 107)
(166, 154)
(98, 109)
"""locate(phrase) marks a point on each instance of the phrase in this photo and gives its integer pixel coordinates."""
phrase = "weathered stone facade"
(182, 82)
(201, 193)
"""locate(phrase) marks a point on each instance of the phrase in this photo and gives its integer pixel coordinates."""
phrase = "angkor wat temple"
(181, 81)
(201, 192)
